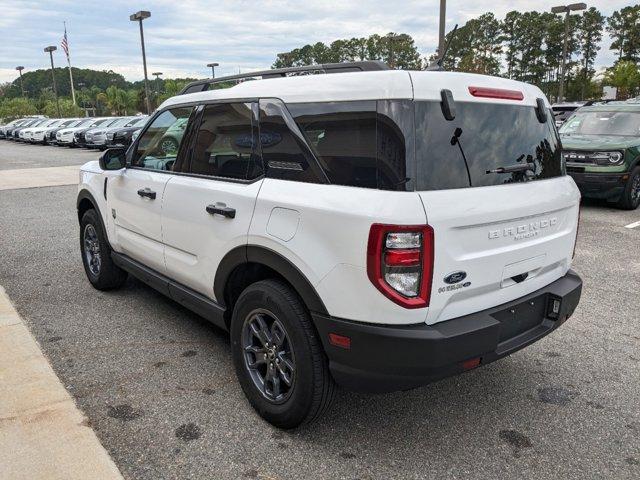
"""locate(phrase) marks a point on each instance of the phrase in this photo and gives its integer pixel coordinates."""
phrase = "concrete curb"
(39, 177)
(43, 435)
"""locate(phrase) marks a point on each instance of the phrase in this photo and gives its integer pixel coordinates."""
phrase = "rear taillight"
(400, 263)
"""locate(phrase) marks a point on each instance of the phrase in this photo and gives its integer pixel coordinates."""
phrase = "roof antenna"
(437, 65)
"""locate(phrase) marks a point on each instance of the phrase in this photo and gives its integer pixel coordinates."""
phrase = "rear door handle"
(147, 192)
(221, 210)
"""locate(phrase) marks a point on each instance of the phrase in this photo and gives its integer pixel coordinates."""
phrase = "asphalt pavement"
(158, 386)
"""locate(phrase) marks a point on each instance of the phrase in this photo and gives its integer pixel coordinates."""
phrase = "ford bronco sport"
(602, 149)
(376, 229)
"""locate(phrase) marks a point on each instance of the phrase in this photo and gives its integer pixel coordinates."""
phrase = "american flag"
(65, 43)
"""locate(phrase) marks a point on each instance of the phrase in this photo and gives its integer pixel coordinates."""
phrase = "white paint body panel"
(138, 221)
(195, 241)
(469, 226)
(330, 245)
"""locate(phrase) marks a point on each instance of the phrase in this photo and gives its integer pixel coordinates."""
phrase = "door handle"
(221, 210)
(147, 192)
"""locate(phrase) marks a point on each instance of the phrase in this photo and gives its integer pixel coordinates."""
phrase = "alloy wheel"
(268, 356)
(92, 249)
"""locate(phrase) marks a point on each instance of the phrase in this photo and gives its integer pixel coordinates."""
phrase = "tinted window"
(360, 144)
(285, 152)
(158, 147)
(343, 137)
(483, 137)
(226, 142)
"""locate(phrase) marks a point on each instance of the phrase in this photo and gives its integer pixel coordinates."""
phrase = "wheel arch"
(85, 202)
(249, 263)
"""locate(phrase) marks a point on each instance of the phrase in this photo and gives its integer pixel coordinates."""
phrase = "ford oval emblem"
(455, 277)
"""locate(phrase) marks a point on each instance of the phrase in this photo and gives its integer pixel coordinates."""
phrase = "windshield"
(621, 123)
(121, 122)
(135, 121)
(85, 123)
(486, 144)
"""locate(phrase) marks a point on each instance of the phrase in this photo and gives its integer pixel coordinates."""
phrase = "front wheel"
(96, 254)
(278, 356)
(630, 198)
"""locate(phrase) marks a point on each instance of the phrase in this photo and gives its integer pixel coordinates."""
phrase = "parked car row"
(94, 132)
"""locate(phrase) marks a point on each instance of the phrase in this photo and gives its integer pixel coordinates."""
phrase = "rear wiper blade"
(518, 167)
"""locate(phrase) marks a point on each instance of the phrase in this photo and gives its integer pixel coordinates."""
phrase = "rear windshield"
(603, 123)
(470, 150)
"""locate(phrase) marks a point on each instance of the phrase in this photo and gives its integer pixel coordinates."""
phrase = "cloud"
(183, 36)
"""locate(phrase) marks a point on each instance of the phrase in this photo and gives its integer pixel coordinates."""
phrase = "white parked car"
(66, 136)
(40, 135)
(29, 134)
(378, 229)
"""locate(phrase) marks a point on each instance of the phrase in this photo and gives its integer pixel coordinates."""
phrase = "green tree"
(12, 108)
(511, 36)
(118, 100)
(624, 28)
(625, 76)
(589, 37)
(398, 50)
(67, 109)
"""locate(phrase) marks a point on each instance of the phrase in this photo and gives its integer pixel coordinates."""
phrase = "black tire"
(630, 198)
(312, 387)
(169, 145)
(107, 275)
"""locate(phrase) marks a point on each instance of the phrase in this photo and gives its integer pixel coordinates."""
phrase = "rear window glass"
(483, 138)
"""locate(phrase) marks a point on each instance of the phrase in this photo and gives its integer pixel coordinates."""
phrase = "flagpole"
(73, 91)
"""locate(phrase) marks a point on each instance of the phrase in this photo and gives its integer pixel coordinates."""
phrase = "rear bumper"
(600, 185)
(389, 358)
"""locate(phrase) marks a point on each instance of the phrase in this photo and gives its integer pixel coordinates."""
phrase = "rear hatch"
(498, 235)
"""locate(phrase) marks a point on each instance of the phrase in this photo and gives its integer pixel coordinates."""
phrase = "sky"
(182, 36)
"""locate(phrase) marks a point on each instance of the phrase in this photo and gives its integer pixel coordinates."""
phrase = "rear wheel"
(278, 357)
(96, 254)
(630, 198)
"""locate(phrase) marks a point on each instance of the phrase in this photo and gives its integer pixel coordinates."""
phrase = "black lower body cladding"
(385, 358)
(605, 186)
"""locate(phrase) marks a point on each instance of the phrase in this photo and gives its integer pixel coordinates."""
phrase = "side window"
(360, 144)
(226, 143)
(285, 153)
(343, 137)
(158, 146)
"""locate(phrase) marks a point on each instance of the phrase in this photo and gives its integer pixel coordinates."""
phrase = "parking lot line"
(633, 225)
(43, 435)
(39, 177)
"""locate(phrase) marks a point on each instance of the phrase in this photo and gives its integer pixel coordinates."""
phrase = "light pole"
(566, 9)
(157, 75)
(213, 68)
(20, 68)
(139, 17)
(51, 49)
(443, 15)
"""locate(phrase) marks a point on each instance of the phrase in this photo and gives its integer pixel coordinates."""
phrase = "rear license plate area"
(521, 318)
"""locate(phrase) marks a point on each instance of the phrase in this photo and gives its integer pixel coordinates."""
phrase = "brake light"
(400, 263)
(496, 93)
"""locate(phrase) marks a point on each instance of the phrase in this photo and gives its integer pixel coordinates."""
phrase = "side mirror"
(113, 159)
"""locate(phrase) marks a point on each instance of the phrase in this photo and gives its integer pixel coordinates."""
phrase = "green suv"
(601, 145)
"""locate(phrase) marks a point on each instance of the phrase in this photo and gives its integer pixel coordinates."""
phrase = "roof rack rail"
(363, 66)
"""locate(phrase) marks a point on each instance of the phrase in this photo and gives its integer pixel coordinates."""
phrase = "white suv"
(375, 229)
